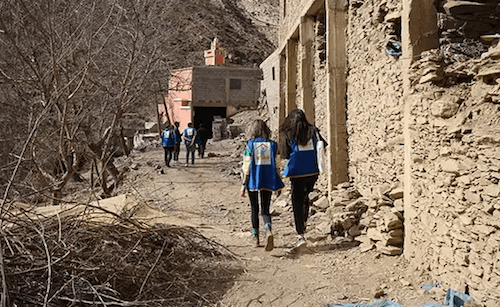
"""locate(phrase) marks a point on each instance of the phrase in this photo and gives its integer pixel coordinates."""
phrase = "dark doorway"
(206, 115)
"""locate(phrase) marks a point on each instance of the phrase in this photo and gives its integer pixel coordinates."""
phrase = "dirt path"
(330, 271)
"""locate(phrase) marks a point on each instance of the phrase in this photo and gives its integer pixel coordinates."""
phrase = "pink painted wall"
(180, 93)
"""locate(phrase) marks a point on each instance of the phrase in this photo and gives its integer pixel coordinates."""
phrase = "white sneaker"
(301, 241)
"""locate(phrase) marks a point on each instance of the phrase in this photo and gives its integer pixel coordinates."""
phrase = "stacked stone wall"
(374, 95)
(454, 228)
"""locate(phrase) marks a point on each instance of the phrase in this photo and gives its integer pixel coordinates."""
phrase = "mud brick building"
(198, 94)
(408, 94)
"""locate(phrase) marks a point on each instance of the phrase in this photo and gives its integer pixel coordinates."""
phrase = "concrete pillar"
(336, 18)
(307, 69)
(419, 32)
(291, 75)
(282, 98)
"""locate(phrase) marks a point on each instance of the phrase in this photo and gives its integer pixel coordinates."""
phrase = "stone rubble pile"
(375, 220)
(488, 69)
(461, 18)
(429, 68)
(435, 66)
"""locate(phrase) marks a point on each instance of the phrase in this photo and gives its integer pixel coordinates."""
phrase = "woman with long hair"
(299, 147)
(260, 178)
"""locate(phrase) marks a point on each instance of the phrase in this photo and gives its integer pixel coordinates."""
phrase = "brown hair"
(258, 128)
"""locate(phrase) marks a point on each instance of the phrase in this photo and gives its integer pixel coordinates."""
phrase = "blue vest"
(188, 133)
(303, 160)
(167, 138)
(263, 174)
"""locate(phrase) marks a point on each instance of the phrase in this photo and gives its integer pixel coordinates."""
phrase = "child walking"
(260, 178)
(189, 137)
(299, 147)
(168, 141)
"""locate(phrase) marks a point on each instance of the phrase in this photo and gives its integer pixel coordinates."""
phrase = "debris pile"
(375, 220)
(488, 69)
(70, 261)
(459, 19)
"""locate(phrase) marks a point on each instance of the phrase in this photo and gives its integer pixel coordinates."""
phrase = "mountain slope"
(244, 28)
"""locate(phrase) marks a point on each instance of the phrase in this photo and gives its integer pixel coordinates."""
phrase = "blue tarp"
(452, 299)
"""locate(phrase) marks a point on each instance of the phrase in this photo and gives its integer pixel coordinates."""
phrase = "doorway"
(206, 116)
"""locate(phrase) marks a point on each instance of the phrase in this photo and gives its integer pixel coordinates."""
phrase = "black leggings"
(168, 154)
(177, 148)
(265, 203)
(301, 187)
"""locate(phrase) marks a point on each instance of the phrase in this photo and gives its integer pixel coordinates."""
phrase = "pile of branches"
(70, 262)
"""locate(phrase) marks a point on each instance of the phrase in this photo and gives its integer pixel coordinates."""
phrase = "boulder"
(392, 221)
(388, 250)
(322, 203)
(396, 193)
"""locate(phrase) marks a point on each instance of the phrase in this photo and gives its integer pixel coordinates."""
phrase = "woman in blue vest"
(260, 177)
(168, 142)
(189, 137)
(299, 147)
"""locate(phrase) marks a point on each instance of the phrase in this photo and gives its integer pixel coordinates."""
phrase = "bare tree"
(86, 62)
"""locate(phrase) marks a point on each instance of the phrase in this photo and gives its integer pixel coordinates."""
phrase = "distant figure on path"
(260, 176)
(299, 147)
(177, 145)
(203, 133)
(168, 142)
(189, 137)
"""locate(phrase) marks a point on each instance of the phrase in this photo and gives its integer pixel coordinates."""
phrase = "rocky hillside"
(245, 28)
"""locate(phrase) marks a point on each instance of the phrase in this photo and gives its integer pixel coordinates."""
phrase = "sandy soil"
(331, 270)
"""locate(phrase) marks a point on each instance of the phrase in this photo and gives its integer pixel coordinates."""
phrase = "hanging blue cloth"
(393, 48)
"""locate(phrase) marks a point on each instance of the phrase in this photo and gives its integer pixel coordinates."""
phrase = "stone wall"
(374, 94)
(452, 227)
(455, 128)
(291, 11)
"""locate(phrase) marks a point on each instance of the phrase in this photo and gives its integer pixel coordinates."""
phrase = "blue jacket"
(167, 138)
(262, 174)
(303, 160)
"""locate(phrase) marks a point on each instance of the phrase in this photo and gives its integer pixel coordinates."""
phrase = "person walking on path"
(168, 141)
(260, 178)
(299, 147)
(189, 137)
(177, 145)
(203, 133)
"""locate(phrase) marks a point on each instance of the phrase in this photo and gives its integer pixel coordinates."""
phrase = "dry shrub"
(113, 265)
